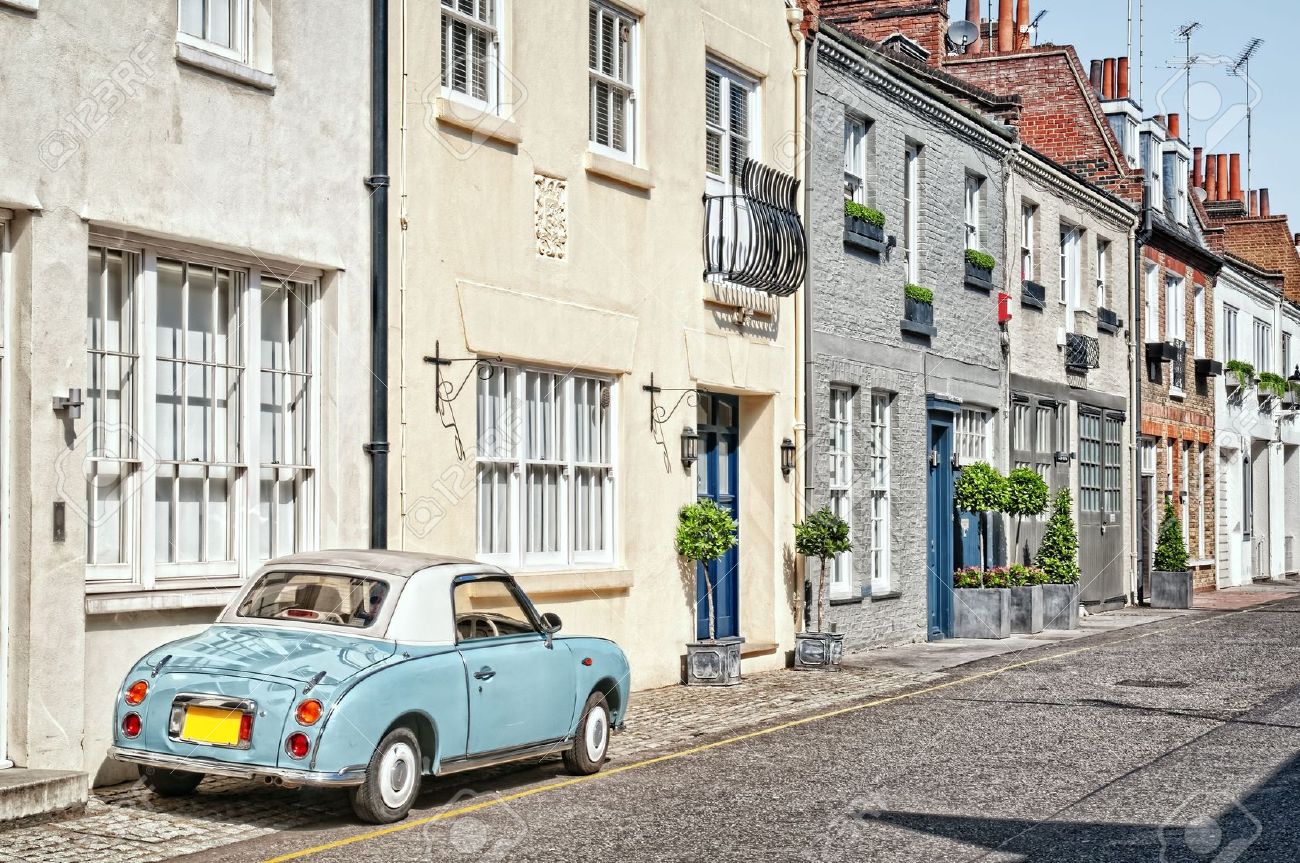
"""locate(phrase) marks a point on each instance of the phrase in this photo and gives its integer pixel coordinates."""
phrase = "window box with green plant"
(1271, 386)
(1171, 580)
(706, 532)
(979, 269)
(1208, 368)
(1241, 375)
(918, 311)
(820, 536)
(1058, 558)
(864, 228)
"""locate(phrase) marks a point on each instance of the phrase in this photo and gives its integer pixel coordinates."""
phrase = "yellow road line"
(704, 747)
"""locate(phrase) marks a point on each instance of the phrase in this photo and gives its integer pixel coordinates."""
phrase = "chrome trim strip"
(503, 756)
(348, 776)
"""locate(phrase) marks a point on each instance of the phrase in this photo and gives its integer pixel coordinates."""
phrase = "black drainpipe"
(1142, 238)
(377, 448)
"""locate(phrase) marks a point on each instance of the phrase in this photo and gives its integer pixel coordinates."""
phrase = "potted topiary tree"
(821, 535)
(1026, 495)
(705, 532)
(983, 612)
(980, 489)
(1058, 558)
(1171, 581)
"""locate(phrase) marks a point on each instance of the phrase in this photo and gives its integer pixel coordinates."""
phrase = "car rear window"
(311, 597)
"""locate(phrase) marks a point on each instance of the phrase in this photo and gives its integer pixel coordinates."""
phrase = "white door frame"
(5, 508)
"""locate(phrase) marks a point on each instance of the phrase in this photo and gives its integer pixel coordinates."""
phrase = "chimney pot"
(1108, 78)
(1006, 27)
(1022, 24)
(1222, 193)
(1174, 127)
(1094, 77)
(1254, 203)
(1264, 211)
(1198, 176)
(1212, 177)
(1121, 78)
(1234, 187)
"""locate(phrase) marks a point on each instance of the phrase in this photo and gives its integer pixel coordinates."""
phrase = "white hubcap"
(596, 733)
(398, 774)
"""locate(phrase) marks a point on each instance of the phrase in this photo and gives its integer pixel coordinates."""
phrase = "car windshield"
(313, 597)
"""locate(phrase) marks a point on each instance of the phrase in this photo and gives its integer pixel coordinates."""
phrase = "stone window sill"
(158, 600)
(847, 600)
(583, 582)
(893, 594)
(480, 122)
(618, 170)
(242, 73)
(20, 5)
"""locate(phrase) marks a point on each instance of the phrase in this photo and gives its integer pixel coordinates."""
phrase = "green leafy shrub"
(998, 576)
(1243, 371)
(918, 294)
(969, 577)
(1026, 495)
(1026, 576)
(980, 488)
(1058, 556)
(1271, 382)
(854, 210)
(822, 535)
(981, 260)
(705, 532)
(1171, 552)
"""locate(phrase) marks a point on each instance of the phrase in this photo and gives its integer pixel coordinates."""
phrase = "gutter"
(377, 446)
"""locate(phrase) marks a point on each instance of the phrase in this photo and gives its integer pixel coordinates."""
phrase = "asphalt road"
(1178, 741)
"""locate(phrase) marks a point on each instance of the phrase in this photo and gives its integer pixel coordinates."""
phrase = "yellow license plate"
(212, 725)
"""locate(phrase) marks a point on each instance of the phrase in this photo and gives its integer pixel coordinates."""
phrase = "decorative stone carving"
(551, 211)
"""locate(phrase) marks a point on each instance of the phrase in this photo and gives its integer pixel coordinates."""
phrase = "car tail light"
(136, 692)
(308, 712)
(246, 728)
(131, 725)
(297, 745)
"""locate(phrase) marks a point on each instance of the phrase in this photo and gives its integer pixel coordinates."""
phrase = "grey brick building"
(895, 399)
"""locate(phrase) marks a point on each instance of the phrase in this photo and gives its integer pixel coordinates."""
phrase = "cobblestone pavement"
(128, 824)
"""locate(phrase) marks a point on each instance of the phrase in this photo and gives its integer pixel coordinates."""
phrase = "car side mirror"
(551, 623)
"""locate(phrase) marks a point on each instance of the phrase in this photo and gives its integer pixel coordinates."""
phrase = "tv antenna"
(963, 34)
(1241, 68)
(1033, 25)
(1185, 34)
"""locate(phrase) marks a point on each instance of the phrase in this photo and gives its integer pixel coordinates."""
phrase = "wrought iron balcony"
(1081, 352)
(754, 237)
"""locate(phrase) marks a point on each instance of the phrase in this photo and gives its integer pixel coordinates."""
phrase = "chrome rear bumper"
(276, 775)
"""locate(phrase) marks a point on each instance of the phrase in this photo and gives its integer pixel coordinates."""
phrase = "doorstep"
(24, 793)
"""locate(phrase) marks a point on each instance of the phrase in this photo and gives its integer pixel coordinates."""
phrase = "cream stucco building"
(184, 239)
(549, 258)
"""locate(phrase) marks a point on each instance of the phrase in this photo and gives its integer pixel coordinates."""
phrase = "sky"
(1099, 28)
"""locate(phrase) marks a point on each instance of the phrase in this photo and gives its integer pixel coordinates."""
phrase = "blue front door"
(939, 526)
(717, 478)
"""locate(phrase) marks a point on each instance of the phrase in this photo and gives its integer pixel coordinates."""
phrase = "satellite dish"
(1200, 194)
(962, 34)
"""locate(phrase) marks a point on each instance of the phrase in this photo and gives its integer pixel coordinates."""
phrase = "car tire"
(591, 740)
(170, 783)
(392, 779)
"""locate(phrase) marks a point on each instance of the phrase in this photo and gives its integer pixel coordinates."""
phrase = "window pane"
(164, 514)
(200, 325)
(217, 520)
(219, 20)
(494, 507)
(273, 328)
(488, 609)
(167, 413)
(189, 517)
(191, 17)
(198, 413)
(541, 517)
(171, 287)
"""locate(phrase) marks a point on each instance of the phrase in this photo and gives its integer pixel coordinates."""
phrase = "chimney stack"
(1254, 203)
(973, 16)
(1198, 177)
(1174, 128)
(1212, 177)
(1234, 187)
(1108, 78)
(1094, 77)
(1121, 78)
(1006, 27)
(1264, 212)
(1222, 193)
(1297, 240)
(1022, 25)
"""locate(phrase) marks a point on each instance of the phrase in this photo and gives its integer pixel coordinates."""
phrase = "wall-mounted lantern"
(71, 403)
(690, 447)
(787, 457)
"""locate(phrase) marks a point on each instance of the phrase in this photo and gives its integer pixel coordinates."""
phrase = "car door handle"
(484, 673)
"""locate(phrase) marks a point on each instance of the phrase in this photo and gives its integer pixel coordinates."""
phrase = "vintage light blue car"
(368, 670)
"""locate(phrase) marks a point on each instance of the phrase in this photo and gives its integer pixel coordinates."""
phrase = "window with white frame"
(912, 212)
(545, 468)
(218, 25)
(1263, 346)
(1286, 354)
(470, 49)
(1147, 455)
(1180, 205)
(1028, 218)
(611, 64)
(1184, 497)
(881, 513)
(1170, 166)
(195, 468)
(1070, 277)
(973, 439)
(855, 159)
(1175, 307)
(1228, 333)
(1201, 483)
(1102, 265)
(1198, 321)
(729, 100)
(1151, 164)
(1151, 276)
(840, 450)
(974, 189)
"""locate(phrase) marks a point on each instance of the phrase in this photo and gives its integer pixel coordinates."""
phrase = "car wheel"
(170, 783)
(392, 779)
(591, 741)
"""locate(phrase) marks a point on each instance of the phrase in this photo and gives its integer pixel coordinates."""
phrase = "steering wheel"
(309, 614)
(474, 620)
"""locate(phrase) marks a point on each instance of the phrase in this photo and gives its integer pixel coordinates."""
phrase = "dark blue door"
(717, 478)
(939, 526)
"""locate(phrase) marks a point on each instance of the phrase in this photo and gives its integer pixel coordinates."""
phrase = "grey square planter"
(918, 318)
(1027, 609)
(713, 663)
(819, 651)
(1171, 589)
(978, 277)
(864, 235)
(981, 612)
(1060, 606)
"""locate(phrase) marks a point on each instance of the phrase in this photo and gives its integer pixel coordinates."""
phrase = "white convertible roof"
(403, 564)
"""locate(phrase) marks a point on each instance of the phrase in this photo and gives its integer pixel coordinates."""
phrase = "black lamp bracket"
(661, 413)
(446, 391)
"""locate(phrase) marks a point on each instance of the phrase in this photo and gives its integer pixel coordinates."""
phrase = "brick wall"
(923, 23)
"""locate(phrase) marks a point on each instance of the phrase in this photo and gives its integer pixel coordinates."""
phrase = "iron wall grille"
(1082, 352)
(754, 238)
(1178, 370)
